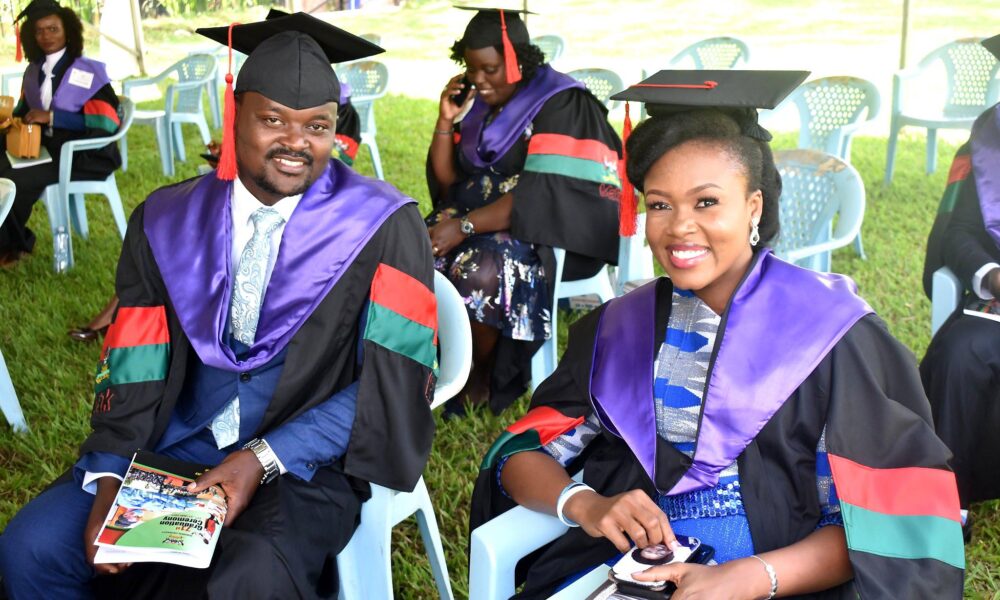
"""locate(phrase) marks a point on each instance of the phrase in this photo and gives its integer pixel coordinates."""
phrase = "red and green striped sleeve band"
(402, 316)
(136, 348)
(961, 167)
(909, 512)
(532, 431)
(98, 114)
(557, 154)
(346, 149)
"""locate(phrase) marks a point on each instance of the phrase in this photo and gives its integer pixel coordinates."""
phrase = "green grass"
(52, 373)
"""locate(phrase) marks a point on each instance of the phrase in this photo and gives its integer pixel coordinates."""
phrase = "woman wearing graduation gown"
(531, 166)
(760, 407)
(71, 97)
(962, 366)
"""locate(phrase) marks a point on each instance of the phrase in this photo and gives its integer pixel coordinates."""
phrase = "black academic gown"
(393, 428)
(865, 391)
(961, 370)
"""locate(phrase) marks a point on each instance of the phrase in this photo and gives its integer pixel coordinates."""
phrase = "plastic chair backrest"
(454, 341)
(828, 105)
(9, 78)
(715, 53)
(7, 191)
(552, 46)
(602, 83)
(970, 70)
(126, 112)
(193, 68)
(368, 79)
(816, 188)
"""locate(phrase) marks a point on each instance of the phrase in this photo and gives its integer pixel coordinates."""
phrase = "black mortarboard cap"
(993, 45)
(289, 57)
(288, 61)
(737, 92)
(485, 29)
(673, 91)
(36, 9)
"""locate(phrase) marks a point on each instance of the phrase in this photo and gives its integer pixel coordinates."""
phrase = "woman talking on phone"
(532, 165)
(761, 408)
(70, 97)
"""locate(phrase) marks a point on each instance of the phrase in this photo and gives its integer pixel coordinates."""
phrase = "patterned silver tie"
(244, 308)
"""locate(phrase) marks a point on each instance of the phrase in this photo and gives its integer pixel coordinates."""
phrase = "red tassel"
(626, 203)
(19, 53)
(509, 55)
(226, 170)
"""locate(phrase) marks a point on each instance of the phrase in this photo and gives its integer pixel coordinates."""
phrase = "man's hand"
(631, 513)
(239, 476)
(107, 489)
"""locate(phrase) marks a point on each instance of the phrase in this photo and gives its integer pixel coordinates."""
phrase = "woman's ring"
(435, 249)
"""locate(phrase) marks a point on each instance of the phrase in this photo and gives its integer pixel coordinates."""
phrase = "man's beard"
(264, 184)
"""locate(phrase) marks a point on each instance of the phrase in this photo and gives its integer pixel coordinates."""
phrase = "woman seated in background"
(757, 406)
(72, 98)
(961, 370)
(532, 165)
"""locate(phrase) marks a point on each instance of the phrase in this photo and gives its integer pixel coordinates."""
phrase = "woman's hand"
(631, 513)
(447, 109)
(445, 236)
(37, 116)
(726, 582)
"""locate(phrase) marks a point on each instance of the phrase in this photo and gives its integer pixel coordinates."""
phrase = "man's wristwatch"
(466, 226)
(267, 458)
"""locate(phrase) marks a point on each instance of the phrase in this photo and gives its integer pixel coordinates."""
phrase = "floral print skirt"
(502, 282)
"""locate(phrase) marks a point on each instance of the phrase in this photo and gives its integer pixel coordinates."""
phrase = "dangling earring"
(754, 233)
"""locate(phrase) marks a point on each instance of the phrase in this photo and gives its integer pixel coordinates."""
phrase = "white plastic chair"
(8, 397)
(10, 82)
(714, 53)
(543, 363)
(221, 54)
(635, 259)
(496, 546)
(946, 293)
(551, 45)
(182, 104)
(364, 565)
(369, 80)
(64, 214)
(970, 87)
(602, 83)
(816, 188)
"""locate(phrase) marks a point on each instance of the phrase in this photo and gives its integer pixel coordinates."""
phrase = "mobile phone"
(639, 559)
(459, 98)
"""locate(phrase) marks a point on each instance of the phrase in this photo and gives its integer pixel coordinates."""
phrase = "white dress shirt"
(47, 68)
(979, 283)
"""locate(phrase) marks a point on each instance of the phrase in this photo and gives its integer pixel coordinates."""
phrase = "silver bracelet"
(568, 492)
(770, 574)
(268, 459)
(442, 132)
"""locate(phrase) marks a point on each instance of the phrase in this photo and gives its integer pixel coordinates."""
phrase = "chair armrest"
(129, 84)
(497, 546)
(946, 293)
(899, 79)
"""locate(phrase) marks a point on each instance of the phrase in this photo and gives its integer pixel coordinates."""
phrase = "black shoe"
(454, 409)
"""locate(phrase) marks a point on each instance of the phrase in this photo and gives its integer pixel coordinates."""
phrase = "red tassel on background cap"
(18, 54)
(627, 202)
(226, 170)
(509, 55)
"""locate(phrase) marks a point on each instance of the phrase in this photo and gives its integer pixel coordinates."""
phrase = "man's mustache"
(287, 153)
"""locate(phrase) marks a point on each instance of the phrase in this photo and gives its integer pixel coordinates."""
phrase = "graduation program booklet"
(987, 309)
(156, 519)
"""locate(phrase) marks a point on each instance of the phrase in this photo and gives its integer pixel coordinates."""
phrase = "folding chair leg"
(165, 147)
(115, 201)
(8, 401)
(859, 248)
(123, 150)
(931, 150)
(78, 215)
(890, 154)
(432, 541)
(178, 141)
(376, 161)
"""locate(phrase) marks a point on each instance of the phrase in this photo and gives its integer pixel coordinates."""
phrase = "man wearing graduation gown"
(961, 369)
(327, 383)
